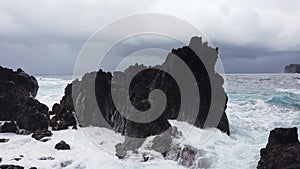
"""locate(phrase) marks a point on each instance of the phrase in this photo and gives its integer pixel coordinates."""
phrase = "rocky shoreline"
(22, 113)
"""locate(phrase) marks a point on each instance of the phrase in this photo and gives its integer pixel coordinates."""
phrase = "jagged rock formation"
(282, 150)
(17, 102)
(63, 112)
(94, 104)
(292, 68)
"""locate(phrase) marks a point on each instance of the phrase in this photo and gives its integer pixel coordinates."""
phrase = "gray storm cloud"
(46, 37)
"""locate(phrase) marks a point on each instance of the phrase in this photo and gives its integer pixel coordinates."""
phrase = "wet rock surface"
(282, 150)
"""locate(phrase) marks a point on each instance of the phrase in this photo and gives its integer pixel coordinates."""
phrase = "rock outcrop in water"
(94, 104)
(17, 102)
(292, 68)
(282, 150)
(63, 112)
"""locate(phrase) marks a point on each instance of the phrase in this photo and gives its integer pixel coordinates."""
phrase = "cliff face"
(292, 68)
(94, 104)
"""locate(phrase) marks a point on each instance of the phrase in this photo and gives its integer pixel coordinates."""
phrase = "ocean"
(257, 104)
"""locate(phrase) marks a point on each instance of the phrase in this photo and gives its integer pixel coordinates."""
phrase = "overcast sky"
(45, 37)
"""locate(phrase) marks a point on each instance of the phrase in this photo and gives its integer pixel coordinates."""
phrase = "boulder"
(282, 150)
(41, 133)
(62, 145)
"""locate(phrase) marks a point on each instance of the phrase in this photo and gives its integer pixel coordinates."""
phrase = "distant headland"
(292, 68)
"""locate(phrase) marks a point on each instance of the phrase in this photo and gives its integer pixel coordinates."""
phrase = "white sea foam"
(51, 89)
(295, 91)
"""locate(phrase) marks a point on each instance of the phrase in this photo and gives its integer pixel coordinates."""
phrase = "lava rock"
(46, 158)
(63, 112)
(56, 109)
(34, 115)
(282, 150)
(62, 145)
(11, 167)
(66, 163)
(9, 127)
(15, 88)
(283, 136)
(41, 133)
(17, 103)
(17, 158)
(94, 104)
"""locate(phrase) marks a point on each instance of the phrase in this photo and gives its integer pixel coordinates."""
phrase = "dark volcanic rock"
(292, 68)
(282, 150)
(11, 167)
(63, 112)
(33, 116)
(3, 140)
(17, 103)
(20, 79)
(9, 127)
(94, 104)
(46, 158)
(62, 145)
(39, 134)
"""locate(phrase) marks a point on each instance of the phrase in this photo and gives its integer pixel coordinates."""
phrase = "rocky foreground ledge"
(282, 150)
